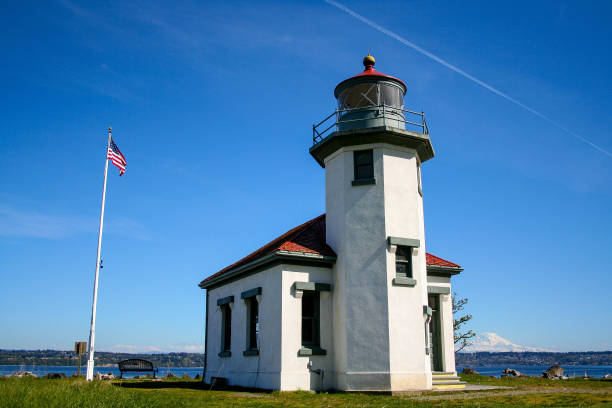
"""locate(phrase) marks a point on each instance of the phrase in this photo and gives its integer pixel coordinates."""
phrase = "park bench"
(136, 365)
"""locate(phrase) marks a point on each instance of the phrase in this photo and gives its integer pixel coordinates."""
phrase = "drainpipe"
(428, 311)
(316, 371)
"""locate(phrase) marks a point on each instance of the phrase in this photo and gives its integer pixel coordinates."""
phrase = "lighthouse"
(374, 219)
(349, 300)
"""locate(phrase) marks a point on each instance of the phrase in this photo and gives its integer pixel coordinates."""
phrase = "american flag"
(115, 156)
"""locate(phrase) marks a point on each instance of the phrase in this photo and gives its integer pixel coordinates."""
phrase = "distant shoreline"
(173, 359)
(533, 358)
(102, 358)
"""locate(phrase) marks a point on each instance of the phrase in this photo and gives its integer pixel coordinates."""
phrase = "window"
(363, 161)
(310, 319)
(359, 96)
(226, 330)
(252, 323)
(403, 261)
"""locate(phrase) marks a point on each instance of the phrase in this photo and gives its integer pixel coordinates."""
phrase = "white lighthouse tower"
(374, 222)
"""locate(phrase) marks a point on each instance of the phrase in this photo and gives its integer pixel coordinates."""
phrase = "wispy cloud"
(34, 224)
(183, 347)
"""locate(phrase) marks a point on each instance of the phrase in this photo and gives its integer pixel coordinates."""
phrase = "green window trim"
(225, 353)
(225, 300)
(439, 290)
(311, 319)
(404, 282)
(403, 262)
(252, 322)
(311, 351)
(314, 286)
(226, 328)
(363, 182)
(250, 352)
(250, 293)
(409, 242)
(363, 166)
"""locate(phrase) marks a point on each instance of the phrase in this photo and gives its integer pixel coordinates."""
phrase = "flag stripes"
(116, 157)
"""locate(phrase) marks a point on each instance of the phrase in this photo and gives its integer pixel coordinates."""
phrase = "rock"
(21, 374)
(55, 375)
(470, 371)
(607, 377)
(170, 375)
(137, 377)
(185, 375)
(109, 376)
(553, 372)
(512, 372)
(199, 377)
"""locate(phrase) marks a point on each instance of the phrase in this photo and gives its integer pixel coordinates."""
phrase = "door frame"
(435, 335)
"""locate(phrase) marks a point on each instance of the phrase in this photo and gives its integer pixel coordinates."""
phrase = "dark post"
(80, 347)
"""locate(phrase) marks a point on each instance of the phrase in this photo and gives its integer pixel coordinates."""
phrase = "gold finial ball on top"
(369, 61)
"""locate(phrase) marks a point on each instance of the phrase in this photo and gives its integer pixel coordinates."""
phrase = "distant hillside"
(68, 358)
(484, 358)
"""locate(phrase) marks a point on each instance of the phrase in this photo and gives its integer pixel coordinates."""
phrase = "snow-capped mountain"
(495, 343)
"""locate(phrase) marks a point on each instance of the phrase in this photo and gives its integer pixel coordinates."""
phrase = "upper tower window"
(363, 161)
(403, 262)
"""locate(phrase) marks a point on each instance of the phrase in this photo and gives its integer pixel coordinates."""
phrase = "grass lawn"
(72, 392)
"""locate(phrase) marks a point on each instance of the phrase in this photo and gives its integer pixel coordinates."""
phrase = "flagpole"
(92, 330)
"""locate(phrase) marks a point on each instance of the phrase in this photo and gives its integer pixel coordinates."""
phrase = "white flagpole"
(92, 330)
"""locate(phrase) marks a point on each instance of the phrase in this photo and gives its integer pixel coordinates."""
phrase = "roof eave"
(276, 257)
(445, 271)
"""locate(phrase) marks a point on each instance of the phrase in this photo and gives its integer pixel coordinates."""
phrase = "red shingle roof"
(433, 260)
(308, 238)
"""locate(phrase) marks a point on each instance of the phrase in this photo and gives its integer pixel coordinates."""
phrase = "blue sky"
(213, 103)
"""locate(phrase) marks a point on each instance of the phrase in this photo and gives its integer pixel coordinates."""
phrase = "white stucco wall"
(295, 373)
(261, 371)
(356, 232)
(410, 366)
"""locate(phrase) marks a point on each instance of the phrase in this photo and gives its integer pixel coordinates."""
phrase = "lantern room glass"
(366, 94)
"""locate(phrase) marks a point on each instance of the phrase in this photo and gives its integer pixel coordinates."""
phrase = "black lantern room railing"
(369, 116)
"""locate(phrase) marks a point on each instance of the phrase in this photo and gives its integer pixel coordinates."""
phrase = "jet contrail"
(465, 74)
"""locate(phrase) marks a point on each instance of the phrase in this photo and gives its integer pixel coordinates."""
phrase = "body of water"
(569, 370)
(70, 370)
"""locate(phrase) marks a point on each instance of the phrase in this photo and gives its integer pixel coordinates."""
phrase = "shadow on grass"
(185, 385)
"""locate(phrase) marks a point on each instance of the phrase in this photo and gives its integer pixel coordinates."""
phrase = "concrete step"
(442, 373)
(448, 378)
(446, 381)
(454, 386)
